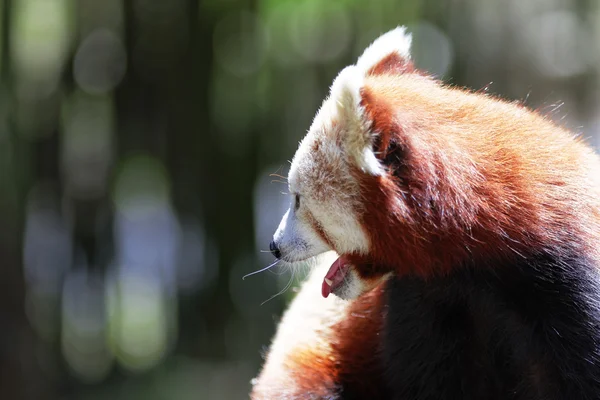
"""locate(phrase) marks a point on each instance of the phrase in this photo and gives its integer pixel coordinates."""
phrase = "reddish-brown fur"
(358, 346)
(392, 64)
(475, 178)
(474, 188)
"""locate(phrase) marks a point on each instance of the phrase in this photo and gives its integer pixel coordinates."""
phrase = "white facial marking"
(339, 141)
(295, 240)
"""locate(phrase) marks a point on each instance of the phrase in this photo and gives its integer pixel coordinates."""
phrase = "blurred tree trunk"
(21, 375)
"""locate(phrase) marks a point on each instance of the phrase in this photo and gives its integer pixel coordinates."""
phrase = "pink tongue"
(335, 275)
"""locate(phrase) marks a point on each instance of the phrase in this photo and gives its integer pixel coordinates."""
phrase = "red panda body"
(468, 230)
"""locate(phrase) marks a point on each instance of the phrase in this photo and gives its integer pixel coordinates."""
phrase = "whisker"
(278, 169)
(278, 181)
(282, 290)
(260, 270)
(279, 272)
(279, 176)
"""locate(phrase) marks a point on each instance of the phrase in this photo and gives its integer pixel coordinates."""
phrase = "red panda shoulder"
(325, 347)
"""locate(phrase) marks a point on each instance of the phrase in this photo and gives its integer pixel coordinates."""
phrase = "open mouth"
(335, 276)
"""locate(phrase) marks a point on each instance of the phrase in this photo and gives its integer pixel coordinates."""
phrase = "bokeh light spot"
(100, 62)
(431, 49)
(142, 186)
(321, 31)
(556, 43)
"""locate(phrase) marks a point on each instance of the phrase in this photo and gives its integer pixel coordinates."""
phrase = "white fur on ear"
(395, 41)
(369, 163)
(345, 92)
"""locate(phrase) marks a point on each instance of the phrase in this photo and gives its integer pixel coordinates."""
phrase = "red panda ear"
(388, 54)
(346, 93)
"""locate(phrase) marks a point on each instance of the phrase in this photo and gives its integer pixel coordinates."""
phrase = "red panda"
(468, 234)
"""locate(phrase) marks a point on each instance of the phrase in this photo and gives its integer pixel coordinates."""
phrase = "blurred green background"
(136, 142)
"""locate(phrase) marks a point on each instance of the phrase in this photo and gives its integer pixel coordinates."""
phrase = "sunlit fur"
(316, 341)
(486, 209)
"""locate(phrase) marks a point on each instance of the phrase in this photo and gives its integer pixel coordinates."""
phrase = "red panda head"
(401, 174)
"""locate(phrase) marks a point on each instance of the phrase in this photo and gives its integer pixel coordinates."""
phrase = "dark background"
(136, 142)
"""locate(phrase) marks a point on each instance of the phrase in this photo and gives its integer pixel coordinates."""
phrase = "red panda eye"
(297, 202)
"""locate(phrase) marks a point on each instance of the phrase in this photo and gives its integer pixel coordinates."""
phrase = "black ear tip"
(275, 250)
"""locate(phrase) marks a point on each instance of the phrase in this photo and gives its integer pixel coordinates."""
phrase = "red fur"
(392, 64)
(482, 177)
(358, 348)
(471, 177)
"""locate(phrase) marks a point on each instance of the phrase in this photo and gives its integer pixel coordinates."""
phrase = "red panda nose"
(275, 250)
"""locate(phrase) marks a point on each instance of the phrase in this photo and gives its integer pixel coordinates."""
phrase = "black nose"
(275, 250)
